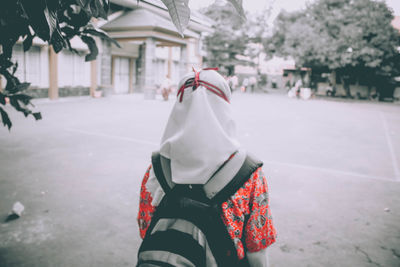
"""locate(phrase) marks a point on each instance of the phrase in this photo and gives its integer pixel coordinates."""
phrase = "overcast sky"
(289, 5)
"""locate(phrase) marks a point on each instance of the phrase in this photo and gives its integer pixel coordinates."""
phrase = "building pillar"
(149, 69)
(169, 73)
(183, 60)
(105, 68)
(93, 77)
(53, 74)
(131, 72)
(104, 78)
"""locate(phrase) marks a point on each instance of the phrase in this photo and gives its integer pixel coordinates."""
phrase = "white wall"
(162, 52)
(33, 65)
(73, 70)
(161, 63)
(161, 66)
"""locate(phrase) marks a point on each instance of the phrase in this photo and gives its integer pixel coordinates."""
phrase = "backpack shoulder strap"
(249, 165)
(165, 182)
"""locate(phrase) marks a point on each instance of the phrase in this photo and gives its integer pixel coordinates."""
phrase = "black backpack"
(166, 245)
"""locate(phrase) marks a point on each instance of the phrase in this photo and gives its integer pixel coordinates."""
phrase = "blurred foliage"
(348, 36)
(55, 22)
(234, 41)
(179, 12)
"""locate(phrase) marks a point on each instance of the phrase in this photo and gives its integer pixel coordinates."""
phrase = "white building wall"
(161, 64)
(176, 53)
(193, 56)
(73, 70)
(175, 72)
(32, 65)
(44, 71)
(161, 52)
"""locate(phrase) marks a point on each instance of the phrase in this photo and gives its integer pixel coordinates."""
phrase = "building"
(41, 67)
(151, 49)
(274, 68)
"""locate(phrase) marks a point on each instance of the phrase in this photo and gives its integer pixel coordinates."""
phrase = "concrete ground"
(332, 167)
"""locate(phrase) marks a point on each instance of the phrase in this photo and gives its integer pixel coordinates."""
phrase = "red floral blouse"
(246, 214)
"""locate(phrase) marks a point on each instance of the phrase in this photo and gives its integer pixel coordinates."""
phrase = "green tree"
(234, 36)
(228, 38)
(344, 36)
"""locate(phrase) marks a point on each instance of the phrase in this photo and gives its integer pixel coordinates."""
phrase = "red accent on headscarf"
(196, 79)
(196, 82)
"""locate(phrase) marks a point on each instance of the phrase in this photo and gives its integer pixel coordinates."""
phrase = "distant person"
(245, 84)
(166, 88)
(203, 201)
(274, 83)
(345, 78)
(298, 85)
(234, 82)
(330, 90)
(288, 85)
(252, 82)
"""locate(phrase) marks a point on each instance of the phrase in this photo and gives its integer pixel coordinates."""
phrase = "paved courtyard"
(332, 167)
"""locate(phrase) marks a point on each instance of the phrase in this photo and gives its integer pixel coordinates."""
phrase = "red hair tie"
(196, 82)
(196, 78)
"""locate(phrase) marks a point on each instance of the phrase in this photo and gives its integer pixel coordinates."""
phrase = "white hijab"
(200, 134)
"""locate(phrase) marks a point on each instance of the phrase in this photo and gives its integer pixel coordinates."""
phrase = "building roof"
(142, 18)
(198, 22)
(195, 16)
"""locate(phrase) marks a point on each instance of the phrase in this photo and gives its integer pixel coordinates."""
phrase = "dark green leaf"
(37, 115)
(51, 17)
(4, 62)
(5, 119)
(85, 5)
(22, 87)
(23, 98)
(19, 106)
(28, 42)
(179, 12)
(14, 68)
(8, 45)
(90, 42)
(15, 104)
(95, 8)
(57, 40)
(69, 31)
(78, 17)
(12, 83)
(101, 34)
(35, 10)
(2, 98)
(102, 7)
